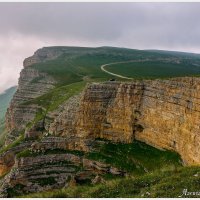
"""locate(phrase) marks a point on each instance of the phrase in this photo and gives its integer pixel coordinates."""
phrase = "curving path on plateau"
(124, 77)
(113, 74)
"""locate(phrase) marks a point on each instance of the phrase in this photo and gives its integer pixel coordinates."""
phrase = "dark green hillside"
(137, 157)
(77, 63)
(167, 183)
(154, 69)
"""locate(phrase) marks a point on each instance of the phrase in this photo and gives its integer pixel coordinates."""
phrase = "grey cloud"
(100, 21)
(26, 27)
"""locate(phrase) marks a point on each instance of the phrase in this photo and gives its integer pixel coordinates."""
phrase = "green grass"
(157, 184)
(76, 63)
(154, 69)
(17, 142)
(137, 157)
(77, 66)
(55, 97)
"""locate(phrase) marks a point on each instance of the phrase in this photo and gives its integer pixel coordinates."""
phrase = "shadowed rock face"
(162, 113)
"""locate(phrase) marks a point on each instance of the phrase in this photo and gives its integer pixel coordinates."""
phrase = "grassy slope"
(72, 65)
(147, 167)
(154, 69)
(52, 99)
(137, 157)
(169, 183)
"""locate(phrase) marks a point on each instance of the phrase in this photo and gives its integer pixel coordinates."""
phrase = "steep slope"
(63, 128)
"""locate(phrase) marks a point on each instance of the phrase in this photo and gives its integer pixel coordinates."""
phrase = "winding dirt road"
(113, 74)
(124, 77)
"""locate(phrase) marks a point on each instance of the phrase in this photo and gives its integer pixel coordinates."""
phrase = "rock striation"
(53, 171)
(32, 84)
(162, 113)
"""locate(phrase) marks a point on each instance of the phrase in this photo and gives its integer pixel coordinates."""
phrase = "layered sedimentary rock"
(170, 114)
(52, 171)
(42, 55)
(32, 84)
(7, 159)
(162, 113)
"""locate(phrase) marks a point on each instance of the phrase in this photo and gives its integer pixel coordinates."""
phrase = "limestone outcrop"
(52, 171)
(162, 113)
(32, 84)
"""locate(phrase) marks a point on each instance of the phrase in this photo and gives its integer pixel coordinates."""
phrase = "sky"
(26, 27)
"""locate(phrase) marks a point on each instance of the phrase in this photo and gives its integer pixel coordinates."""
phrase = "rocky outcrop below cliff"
(47, 165)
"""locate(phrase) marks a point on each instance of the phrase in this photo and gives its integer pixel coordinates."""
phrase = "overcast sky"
(25, 27)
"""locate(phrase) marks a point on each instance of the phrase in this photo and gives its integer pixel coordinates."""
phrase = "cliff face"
(170, 117)
(54, 143)
(32, 84)
(162, 113)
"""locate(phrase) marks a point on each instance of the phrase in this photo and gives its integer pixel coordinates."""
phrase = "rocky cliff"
(49, 150)
(162, 113)
(32, 84)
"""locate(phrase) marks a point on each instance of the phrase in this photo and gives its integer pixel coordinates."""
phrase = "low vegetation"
(17, 142)
(169, 183)
(75, 64)
(136, 157)
(51, 100)
(152, 70)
